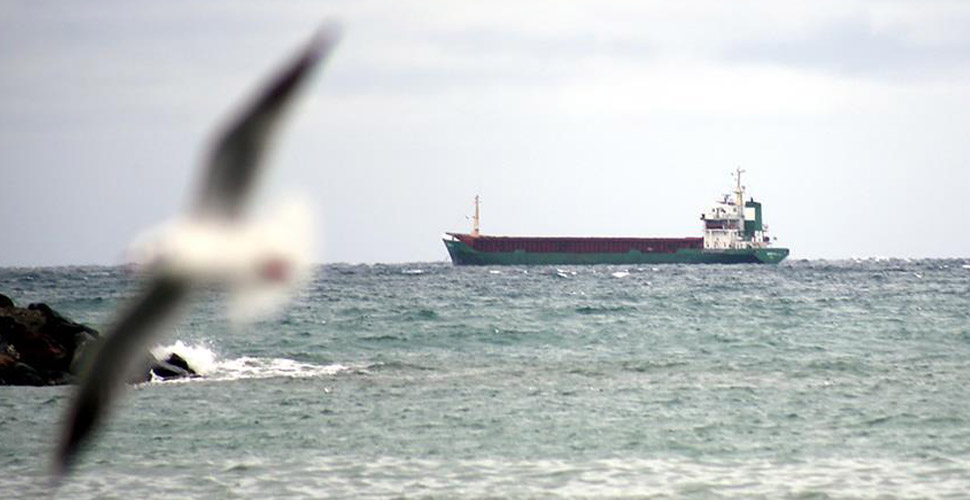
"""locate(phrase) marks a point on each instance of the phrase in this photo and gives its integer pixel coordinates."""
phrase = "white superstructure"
(734, 224)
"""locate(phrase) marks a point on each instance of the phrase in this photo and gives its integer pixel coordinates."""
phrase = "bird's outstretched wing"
(235, 159)
(113, 362)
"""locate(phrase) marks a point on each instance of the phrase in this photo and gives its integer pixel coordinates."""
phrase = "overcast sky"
(852, 120)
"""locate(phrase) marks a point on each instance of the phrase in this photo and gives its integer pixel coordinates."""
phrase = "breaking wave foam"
(248, 368)
(199, 357)
(205, 362)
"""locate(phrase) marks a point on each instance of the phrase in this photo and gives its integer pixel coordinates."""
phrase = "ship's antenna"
(739, 192)
(477, 221)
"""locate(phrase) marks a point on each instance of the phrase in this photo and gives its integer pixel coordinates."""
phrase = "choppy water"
(817, 379)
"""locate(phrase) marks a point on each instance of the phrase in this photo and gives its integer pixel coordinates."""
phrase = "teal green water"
(810, 379)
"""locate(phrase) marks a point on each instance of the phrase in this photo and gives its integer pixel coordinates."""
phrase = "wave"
(206, 363)
(588, 310)
(673, 477)
(317, 475)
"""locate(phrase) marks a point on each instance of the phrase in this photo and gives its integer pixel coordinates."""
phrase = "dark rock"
(173, 367)
(60, 328)
(39, 346)
(32, 355)
(176, 360)
(13, 372)
(22, 329)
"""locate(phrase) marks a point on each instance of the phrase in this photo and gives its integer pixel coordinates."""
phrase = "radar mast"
(477, 220)
(739, 191)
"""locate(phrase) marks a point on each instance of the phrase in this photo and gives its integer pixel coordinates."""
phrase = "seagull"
(214, 243)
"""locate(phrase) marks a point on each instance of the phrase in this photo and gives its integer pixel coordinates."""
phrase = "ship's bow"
(457, 250)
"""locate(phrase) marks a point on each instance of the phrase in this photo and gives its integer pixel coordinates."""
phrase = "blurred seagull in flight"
(215, 243)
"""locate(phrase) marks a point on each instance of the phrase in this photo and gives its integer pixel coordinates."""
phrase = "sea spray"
(199, 357)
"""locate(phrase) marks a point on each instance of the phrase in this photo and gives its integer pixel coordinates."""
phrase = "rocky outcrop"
(172, 367)
(39, 346)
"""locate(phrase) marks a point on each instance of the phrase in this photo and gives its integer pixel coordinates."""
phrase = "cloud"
(856, 48)
(530, 103)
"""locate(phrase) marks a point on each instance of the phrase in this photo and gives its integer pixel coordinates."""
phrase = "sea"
(812, 379)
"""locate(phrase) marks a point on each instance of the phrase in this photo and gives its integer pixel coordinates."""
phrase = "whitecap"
(620, 274)
(199, 357)
(204, 361)
(248, 367)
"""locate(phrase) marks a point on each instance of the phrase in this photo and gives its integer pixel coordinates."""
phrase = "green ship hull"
(463, 255)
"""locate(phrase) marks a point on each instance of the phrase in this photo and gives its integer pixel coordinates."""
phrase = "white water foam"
(255, 368)
(199, 357)
(205, 362)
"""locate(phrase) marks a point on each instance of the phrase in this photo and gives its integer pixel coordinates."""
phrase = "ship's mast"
(739, 191)
(477, 220)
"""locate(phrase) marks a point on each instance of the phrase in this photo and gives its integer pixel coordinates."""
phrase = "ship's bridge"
(733, 223)
(725, 215)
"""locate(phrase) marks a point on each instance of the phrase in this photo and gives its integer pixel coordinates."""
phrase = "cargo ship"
(733, 234)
